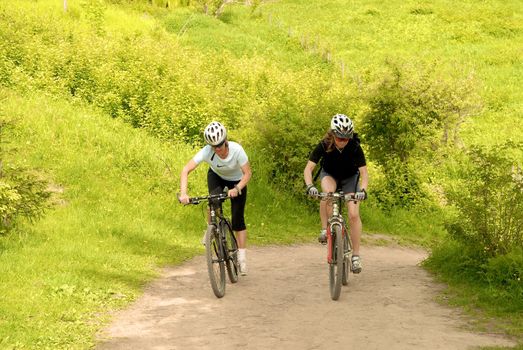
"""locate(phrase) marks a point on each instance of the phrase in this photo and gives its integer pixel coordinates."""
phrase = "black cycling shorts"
(348, 185)
(216, 185)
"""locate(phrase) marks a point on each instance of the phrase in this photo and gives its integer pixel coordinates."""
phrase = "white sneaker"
(243, 267)
(356, 264)
(322, 238)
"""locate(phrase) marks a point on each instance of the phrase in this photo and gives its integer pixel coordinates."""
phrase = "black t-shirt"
(340, 164)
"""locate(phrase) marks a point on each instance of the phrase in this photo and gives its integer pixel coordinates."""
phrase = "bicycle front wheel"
(336, 265)
(231, 251)
(215, 261)
(346, 259)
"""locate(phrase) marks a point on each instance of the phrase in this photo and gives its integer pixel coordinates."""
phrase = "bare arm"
(307, 172)
(364, 175)
(190, 166)
(247, 173)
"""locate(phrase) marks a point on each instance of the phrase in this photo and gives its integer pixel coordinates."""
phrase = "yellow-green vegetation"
(105, 101)
(464, 38)
(115, 220)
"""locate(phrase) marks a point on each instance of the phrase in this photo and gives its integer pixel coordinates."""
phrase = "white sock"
(241, 254)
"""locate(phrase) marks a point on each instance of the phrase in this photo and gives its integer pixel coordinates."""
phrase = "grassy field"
(115, 219)
(458, 37)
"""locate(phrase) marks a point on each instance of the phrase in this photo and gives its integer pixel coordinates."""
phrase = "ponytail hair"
(328, 141)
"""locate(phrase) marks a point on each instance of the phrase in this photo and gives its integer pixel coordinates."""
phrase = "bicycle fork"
(331, 259)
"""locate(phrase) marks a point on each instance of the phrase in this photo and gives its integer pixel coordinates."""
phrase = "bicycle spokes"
(215, 262)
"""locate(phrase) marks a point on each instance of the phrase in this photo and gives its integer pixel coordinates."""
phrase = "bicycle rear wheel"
(336, 266)
(346, 259)
(215, 261)
(231, 247)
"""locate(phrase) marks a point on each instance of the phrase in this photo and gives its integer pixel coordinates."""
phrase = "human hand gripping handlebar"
(197, 200)
(349, 197)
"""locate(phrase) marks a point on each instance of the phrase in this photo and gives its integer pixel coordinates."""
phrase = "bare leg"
(241, 236)
(324, 214)
(355, 226)
(328, 184)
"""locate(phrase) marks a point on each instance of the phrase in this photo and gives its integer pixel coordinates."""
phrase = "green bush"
(9, 200)
(507, 271)
(488, 199)
(411, 114)
(489, 279)
(21, 195)
(150, 81)
(400, 185)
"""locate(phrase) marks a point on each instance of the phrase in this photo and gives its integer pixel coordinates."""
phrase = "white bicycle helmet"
(214, 133)
(342, 126)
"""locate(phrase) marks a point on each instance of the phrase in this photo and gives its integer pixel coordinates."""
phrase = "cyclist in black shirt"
(343, 166)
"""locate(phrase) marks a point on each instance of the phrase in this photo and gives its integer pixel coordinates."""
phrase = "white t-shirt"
(229, 168)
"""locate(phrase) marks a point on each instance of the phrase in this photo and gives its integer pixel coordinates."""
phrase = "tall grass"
(115, 221)
(464, 37)
(116, 218)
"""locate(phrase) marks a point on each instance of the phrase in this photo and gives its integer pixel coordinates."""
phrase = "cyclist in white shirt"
(228, 167)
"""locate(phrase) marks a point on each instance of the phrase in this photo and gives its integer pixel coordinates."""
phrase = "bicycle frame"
(219, 221)
(339, 245)
(336, 218)
(220, 244)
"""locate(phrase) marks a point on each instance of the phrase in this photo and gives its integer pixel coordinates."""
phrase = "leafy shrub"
(507, 271)
(21, 195)
(492, 278)
(411, 114)
(405, 190)
(489, 200)
(9, 200)
(150, 81)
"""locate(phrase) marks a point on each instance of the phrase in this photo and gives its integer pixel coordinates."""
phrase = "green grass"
(495, 307)
(117, 220)
(243, 34)
(464, 37)
(459, 39)
(94, 251)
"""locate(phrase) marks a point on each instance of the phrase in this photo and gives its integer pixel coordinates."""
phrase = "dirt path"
(284, 303)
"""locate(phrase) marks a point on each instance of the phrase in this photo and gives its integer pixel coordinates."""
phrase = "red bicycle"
(339, 244)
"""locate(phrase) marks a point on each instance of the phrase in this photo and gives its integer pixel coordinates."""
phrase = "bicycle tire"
(215, 261)
(336, 266)
(231, 251)
(346, 259)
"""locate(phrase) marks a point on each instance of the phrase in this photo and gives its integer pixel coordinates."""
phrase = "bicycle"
(339, 244)
(221, 246)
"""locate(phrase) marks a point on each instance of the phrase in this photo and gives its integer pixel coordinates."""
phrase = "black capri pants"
(216, 185)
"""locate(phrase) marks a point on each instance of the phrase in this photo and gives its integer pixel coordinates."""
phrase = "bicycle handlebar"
(197, 200)
(336, 195)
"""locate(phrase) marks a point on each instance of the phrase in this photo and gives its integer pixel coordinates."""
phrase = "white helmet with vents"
(342, 126)
(215, 133)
